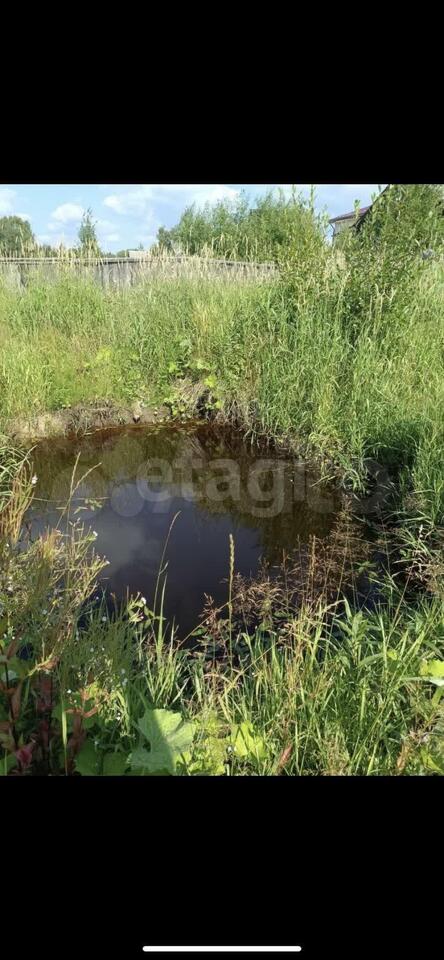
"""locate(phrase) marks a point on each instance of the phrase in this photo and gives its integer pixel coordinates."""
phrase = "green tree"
(235, 230)
(16, 237)
(89, 245)
(385, 251)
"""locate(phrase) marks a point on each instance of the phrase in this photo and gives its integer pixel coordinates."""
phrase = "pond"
(177, 492)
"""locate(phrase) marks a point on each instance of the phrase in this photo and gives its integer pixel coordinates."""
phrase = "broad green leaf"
(210, 758)
(88, 761)
(7, 763)
(432, 761)
(245, 742)
(169, 738)
(142, 763)
(432, 668)
(114, 764)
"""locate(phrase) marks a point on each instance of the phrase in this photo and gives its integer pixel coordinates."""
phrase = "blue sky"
(129, 214)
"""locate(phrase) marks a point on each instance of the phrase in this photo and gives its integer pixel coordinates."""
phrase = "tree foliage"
(236, 230)
(405, 222)
(89, 245)
(16, 237)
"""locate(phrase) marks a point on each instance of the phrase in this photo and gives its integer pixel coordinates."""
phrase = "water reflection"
(219, 485)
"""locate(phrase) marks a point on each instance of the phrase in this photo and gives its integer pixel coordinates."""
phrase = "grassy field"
(279, 356)
(319, 688)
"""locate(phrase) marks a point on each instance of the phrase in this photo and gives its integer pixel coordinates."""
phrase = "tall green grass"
(342, 356)
(318, 689)
(285, 358)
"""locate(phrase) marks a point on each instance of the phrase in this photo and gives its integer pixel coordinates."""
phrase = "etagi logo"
(222, 949)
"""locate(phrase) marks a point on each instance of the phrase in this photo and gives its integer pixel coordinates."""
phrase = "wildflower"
(69, 691)
(103, 648)
(104, 619)
(34, 480)
(91, 649)
(125, 681)
(123, 671)
(44, 612)
(118, 717)
(95, 534)
(143, 599)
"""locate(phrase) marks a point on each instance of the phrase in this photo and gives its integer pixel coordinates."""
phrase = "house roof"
(349, 216)
(362, 212)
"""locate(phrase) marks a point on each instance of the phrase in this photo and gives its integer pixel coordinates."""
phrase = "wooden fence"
(127, 271)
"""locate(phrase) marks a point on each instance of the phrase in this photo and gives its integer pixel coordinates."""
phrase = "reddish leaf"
(78, 735)
(44, 687)
(24, 755)
(16, 700)
(12, 649)
(283, 759)
(44, 733)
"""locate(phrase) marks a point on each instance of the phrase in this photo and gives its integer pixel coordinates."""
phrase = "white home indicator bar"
(222, 949)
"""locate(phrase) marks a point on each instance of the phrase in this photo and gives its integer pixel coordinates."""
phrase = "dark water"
(217, 484)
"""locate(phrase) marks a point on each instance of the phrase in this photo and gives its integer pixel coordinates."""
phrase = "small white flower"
(69, 691)
(123, 671)
(125, 681)
(34, 480)
(104, 619)
(103, 648)
(91, 649)
(44, 612)
(119, 716)
(143, 599)
(95, 534)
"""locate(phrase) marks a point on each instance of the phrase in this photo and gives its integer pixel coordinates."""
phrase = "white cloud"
(6, 198)
(134, 202)
(68, 213)
(104, 224)
(138, 201)
(106, 232)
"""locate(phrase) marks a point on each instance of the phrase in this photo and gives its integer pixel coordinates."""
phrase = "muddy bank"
(189, 400)
(83, 419)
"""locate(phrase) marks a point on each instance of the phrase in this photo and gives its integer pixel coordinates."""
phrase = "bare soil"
(82, 419)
